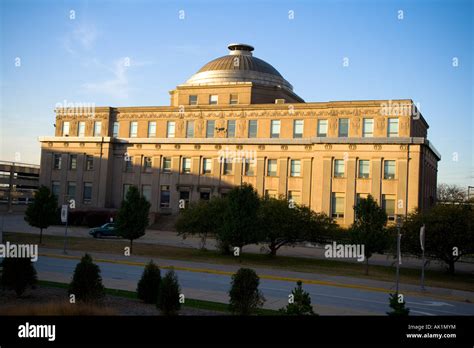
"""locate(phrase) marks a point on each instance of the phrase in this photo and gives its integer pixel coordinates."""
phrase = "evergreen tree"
(41, 213)
(398, 306)
(18, 274)
(245, 298)
(149, 284)
(300, 302)
(168, 297)
(86, 282)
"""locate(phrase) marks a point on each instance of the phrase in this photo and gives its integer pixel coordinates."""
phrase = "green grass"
(297, 264)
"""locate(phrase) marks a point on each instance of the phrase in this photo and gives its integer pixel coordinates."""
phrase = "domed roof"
(238, 66)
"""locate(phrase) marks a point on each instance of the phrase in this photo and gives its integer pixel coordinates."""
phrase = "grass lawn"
(298, 264)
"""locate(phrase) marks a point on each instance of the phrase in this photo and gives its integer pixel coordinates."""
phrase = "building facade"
(237, 120)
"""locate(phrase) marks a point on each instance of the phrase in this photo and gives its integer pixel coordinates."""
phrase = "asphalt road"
(327, 300)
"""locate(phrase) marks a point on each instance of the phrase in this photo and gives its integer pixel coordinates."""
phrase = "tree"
(168, 298)
(41, 213)
(86, 283)
(369, 228)
(18, 274)
(244, 295)
(132, 217)
(450, 193)
(299, 302)
(149, 284)
(448, 233)
(398, 306)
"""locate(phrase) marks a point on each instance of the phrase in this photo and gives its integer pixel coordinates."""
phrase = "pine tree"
(168, 297)
(245, 298)
(86, 283)
(149, 284)
(42, 211)
(398, 306)
(18, 274)
(300, 303)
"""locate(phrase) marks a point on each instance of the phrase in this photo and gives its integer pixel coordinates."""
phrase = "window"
(343, 127)
(294, 196)
(272, 167)
(231, 129)
(65, 129)
(337, 205)
(186, 169)
(322, 128)
(228, 165)
(253, 128)
(388, 204)
(213, 98)
(166, 165)
(81, 129)
(164, 196)
(249, 167)
(205, 195)
(234, 99)
(115, 133)
(392, 130)
(146, 192)
(338, 168)
(270, 194)
(151, 129)
(170, 129)
(298, 128)
(363, 169)
(368, 128)
(210, 129)
(206, 166)
(126, 187)
(87, 192)
(133, 129)
(389, 170)
(147, 164)
(72, 162)
(184, 196)
(89, 162)
(190, 129)
(361, 196)
(295, 168)
(193, 100)
(71, 190)
(129, 164)
(97, 128)
(57, 159)
(275, 129)
(55, 188)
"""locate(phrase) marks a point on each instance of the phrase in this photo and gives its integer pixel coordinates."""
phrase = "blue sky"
(82, 59)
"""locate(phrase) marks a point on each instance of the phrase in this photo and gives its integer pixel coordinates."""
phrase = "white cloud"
(82, 38)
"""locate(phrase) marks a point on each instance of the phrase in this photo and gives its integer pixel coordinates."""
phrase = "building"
(326, 155)
(18, 182)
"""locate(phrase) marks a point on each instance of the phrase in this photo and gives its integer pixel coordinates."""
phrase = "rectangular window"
(55, 188)
(253, 128)
(234, 99)
(87, 192)
(210, 129)
(133, 129)
(89, 162)
(294, 196)
(368, 128)
(190, 129)
(81, 129)
(298, 128)
(392, 130)
(270, 194)
(193, 100)
(146, 192)
(389, 170)
(126, 187)
(295, 168)
(97, 128)
(186, 168)
(164, 196)
(322, 128)
(72, 162)
(129, 164)
(206, 166)
(337, 205)
(205, 195)
(249, 167)
(231, 129)
(363, 169)
(275, 129)
(343, 127)
(151, 129)
(57, 159)
(361, 196)
(147, 164)
(170, 128)
(338, 168)
(65, 129)
(213, 98)
(272, 167)
(71, 190)
(228, 165)
(388, 204)
(166, 164)
(115, 133)
(184, 195)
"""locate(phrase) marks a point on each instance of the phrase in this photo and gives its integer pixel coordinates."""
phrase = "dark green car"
(106, 230)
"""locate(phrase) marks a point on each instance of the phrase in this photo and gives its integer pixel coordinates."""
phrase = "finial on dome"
(240, 49)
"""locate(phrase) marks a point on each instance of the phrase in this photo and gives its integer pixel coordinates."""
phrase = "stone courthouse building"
(237, 120)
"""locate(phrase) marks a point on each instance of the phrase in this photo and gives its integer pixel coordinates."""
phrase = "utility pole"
(399, 256)
(422, 243)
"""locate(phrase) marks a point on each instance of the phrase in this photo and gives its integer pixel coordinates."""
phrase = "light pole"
(422, 244)
(399, 256)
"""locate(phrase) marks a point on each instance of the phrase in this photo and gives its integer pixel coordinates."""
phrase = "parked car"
(106, 230)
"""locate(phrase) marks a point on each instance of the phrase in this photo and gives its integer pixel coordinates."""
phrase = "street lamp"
(399, 256)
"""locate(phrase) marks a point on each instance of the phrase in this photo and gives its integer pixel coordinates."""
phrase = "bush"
(399, 309)
(245, 297)
(168, 297)
(149, 284)
(86, 283)
(301, 304)
(18, 274)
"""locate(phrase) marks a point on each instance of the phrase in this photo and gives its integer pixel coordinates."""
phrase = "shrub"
(18, 274)
(149, 284)
(86, 283)
(399, 309)
(245, 297)
(168, 297)
(301, 304)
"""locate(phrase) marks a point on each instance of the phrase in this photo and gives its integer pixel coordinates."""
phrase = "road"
(327, 300)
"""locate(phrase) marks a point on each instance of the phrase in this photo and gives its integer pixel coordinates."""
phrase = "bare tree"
(451, 193)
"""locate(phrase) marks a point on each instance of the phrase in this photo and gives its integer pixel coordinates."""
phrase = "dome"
(238, 66)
